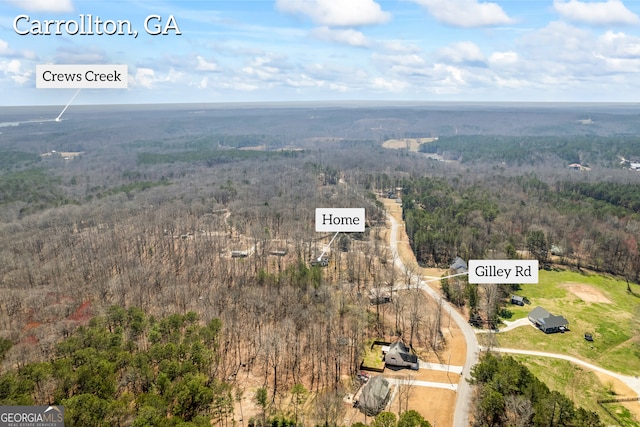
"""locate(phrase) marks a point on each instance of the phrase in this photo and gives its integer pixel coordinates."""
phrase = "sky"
(332, 50)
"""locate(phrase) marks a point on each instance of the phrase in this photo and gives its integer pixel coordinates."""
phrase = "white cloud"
(453, 76)
(147, 77)
(336, 13)
(619, 52)
(619, 44)
(14, 70)
(350, 37)
(6, 51)
(559, 43)
(400, 46)
(237, 84)
(462, 52)
(391, 85)
(407, 66)
(504, 58)
(466, 13)
(4, 48)
(619, 65)
(331, 72)
(596, 13)
(204, 65)
(304, 81)
(409, 60)
(80, 55)
(512, 83)
(264, 68)
(44, 5)
(563, 59)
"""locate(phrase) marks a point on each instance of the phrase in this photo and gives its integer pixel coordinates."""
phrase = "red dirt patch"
(31, 325)
(83, 313)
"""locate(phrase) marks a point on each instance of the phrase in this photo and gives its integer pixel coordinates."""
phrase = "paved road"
(632, 382)
(463, 402)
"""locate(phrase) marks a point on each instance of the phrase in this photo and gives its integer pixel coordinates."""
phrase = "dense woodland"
(118, 258)
(130, 369)
(583, 224)
(590, 149)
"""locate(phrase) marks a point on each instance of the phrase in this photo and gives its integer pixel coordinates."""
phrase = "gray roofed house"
(400, 355)
(547, 322)
(374, 396)
(458, 266)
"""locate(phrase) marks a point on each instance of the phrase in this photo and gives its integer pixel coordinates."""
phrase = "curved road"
(463, 401)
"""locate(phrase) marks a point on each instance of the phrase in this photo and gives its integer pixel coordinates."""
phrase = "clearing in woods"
(412, 144)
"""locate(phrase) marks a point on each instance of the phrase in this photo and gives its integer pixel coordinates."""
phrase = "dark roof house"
(547, 322)
(375, 396)
(400, 355)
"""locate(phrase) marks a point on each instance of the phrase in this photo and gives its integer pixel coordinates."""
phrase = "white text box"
(503, 271)
(340, 219)
(82, 76)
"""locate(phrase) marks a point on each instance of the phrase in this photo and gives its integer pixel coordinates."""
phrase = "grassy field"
(580, 385)
(570, 294)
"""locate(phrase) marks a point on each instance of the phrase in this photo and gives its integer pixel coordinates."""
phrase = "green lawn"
(373, 357)
(610, 323)
(578, 384)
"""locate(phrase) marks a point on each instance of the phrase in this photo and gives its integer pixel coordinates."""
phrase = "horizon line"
(331, 103)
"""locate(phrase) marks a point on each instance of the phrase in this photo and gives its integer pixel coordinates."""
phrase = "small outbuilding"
(399, 355)
(547, 322)
(378, 296)
(517, 300)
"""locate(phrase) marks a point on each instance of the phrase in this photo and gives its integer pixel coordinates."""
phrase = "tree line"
(505, 215)
(536, 150)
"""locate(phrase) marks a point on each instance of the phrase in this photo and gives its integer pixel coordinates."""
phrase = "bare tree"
(405, 386)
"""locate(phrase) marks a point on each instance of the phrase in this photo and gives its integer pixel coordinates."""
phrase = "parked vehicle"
(363, 377)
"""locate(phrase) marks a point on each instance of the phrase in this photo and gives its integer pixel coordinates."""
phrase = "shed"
(517, 300)
(374, 396)
(379, 296)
